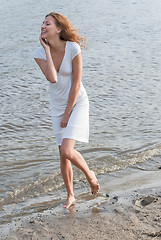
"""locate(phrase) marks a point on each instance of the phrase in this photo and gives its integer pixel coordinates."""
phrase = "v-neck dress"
(78, 124)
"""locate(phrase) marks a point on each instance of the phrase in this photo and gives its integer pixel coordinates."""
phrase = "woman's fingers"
(63, 124)
(64, 121)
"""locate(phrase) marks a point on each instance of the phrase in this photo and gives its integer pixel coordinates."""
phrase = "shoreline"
(128, 208)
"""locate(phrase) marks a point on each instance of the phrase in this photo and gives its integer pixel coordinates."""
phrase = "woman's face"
(49, 28)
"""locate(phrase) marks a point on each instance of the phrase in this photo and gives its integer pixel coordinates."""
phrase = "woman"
(59, 58)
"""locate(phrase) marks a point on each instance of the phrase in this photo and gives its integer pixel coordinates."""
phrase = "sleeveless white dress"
(78, 124)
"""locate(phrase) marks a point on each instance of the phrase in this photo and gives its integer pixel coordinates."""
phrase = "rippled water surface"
(122, 76)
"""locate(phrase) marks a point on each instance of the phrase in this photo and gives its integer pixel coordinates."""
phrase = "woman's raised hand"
(44, 43)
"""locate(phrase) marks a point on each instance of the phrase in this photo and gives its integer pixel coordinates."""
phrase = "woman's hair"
(68, 31)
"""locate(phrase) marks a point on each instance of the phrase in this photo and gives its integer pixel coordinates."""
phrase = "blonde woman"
(59, 58)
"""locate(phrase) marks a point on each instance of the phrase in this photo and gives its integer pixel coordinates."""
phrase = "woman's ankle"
(69, 195)
(90, 176)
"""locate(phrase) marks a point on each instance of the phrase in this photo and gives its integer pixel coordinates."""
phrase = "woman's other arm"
(77, 75)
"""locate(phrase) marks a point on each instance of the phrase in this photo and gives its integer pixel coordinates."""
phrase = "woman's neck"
(56, 44)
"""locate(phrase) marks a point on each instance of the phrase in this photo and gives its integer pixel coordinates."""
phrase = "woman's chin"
(43, 36)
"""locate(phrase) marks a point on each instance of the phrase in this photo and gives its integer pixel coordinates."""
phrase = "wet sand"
(127, 208)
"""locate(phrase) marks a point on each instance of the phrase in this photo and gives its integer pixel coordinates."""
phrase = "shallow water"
(121, 73)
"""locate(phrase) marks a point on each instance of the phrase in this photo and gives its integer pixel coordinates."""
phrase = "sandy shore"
(128, 208)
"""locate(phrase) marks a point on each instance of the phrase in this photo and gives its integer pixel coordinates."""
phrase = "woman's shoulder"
(73, 44)
(74, 48)
(39, 52)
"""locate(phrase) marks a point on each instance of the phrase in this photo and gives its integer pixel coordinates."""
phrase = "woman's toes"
(69, 202)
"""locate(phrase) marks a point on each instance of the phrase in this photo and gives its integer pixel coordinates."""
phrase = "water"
(121, 73)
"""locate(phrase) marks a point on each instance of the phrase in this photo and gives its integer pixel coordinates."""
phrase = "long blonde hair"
(68, 31)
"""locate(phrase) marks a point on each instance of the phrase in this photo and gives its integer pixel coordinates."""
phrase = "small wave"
(99, 149)
(35, 189)
(110, 162)
(11, 127)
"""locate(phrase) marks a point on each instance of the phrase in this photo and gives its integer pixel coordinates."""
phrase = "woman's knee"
(67, 148)
(66, 153)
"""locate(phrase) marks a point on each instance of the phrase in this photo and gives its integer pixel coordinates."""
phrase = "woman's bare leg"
(67, 173)
(67, 152)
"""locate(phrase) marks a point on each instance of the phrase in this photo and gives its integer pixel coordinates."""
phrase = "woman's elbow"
(77, 86)
(52, 80)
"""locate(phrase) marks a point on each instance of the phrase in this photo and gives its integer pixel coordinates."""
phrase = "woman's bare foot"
(69, 201)
(94, 183)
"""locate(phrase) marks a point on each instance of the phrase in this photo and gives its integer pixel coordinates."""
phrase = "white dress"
(78, 124)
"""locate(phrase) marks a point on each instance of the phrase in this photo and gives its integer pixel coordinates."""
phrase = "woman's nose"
(43, 26)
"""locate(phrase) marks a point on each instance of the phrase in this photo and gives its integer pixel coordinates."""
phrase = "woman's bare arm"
(47, 67)
(77, 74)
